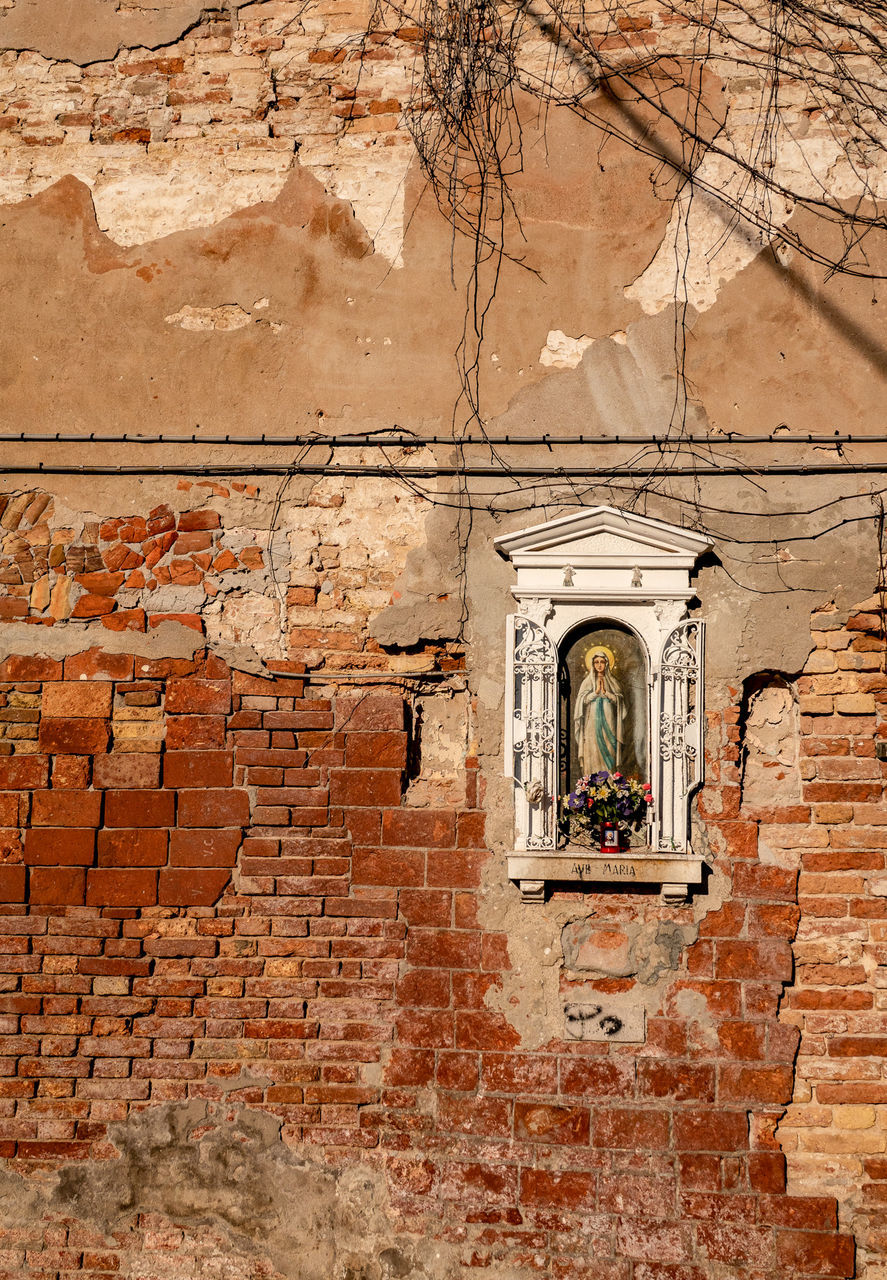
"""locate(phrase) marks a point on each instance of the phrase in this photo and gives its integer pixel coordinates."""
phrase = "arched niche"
(603, 655)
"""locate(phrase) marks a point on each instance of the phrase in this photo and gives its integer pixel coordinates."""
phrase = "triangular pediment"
(602, 535)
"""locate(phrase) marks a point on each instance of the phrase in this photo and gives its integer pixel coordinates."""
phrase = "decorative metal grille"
(679, 727)
(533, 731)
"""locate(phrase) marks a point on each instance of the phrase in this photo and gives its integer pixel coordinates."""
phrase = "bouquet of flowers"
(606, 797)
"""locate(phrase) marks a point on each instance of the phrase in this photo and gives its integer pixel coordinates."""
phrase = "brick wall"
(241, 887)
(835, 1131)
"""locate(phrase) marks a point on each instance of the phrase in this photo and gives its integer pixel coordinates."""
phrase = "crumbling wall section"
(303, 583)
(181, 136)
(834, 838)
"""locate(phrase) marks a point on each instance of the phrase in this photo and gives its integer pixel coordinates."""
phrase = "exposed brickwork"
(228, 105)
(345, 966)
(835, 1132)
(109, 569)
(134, 572)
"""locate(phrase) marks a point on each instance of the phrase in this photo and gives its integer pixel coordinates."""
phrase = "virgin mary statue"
(599, 714)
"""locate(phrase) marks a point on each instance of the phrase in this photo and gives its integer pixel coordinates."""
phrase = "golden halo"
(600, 648)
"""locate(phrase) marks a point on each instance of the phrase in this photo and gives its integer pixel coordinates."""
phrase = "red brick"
(479, 1184)
(519, 1073)
(656, 1242)
(709, 1130)
(426, 906)
(139, 808)
(421, 1028)
(21, 667)
(388, 867)
(121, 887)
(127, 847)
(635, 1129)
(726, 922)
(12, 883)
(57, 846)
(198, 769)
(92, 606)
(722, 998)
(190, 887)
(740, 838)
(57, 886)
(597, 1079)
(857, 1046)
(813, 1213)
(490, 1117)
(280, 1029)
(192, 521)
(815, 1253)
(100, 583)
(66, 808)
(376, 750)
(219, 808)
(457, 1071)
(424, 989)
(365, 825)
(471, 988)
(10, 844)
(455, 869)
(772, 920)
(843, 792)
(71, 773)
(742, 1039)
(558, 1190)
(204, 848)
(679, 1081)
(419, 828)
(77, 737)
(562, 1126)
(198, 697)
(186, 732)
(126, 619)
(843, 860)
(702, 1173)
(755, 1084)
(23, 773)
(470, 830)
(766, 1171)
(301, 720)
(494, 952)
(443, 948)
(760, 960)
(70, 699)
(637, 1196)
(55, 1151)
(365, 787)
(483, 1029)
(756, 880)
(276, 687)
(380, 712)
(410, 1067)
(95, 664)
(127, 770)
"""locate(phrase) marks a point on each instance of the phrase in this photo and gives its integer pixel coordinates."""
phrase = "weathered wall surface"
(259, 949)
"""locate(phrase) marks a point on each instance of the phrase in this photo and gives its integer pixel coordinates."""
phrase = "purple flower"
(574, 801)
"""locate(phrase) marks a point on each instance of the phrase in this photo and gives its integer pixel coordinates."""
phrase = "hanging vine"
(804, 128)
